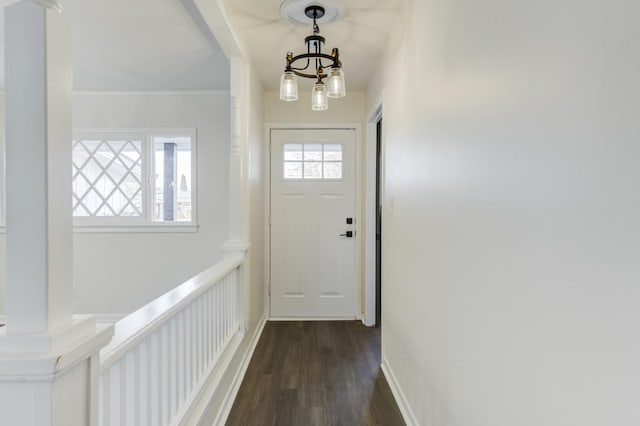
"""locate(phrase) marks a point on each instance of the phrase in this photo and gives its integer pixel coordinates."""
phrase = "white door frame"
(370, 171)
(357, 127)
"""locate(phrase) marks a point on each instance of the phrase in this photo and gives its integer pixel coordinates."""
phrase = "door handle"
(348, 234)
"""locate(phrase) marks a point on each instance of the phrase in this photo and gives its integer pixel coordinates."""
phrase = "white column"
(238, 164)
(38, 131)
(47, 356)
(238, 242)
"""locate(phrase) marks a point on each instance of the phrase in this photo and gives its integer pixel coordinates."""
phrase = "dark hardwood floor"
(316, 373)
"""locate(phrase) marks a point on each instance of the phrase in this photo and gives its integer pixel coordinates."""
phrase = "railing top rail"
(133, 328)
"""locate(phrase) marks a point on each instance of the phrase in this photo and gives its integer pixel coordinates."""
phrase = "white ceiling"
(139, 45)
(165, 45)
(361, 35)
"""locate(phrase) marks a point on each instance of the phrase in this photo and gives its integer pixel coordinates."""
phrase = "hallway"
(316, 373)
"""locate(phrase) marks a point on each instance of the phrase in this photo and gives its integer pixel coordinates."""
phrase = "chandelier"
(317, 65)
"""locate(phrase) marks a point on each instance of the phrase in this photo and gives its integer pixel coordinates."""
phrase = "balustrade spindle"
(161, 354)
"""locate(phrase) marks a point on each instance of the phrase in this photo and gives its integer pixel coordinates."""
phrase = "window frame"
(145, 222)
(322, 162)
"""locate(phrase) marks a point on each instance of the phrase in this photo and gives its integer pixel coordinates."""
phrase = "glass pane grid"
(107, 178)
(312, 161)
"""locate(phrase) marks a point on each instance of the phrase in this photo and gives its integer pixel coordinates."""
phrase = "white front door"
(313, 258)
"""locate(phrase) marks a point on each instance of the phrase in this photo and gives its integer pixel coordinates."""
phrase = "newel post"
(49, 359)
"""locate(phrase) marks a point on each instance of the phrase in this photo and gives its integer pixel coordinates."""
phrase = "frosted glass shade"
(319, 99)
(335, 83)
(288, 86)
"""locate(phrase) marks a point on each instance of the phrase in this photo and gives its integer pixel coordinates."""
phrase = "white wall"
(511, 233)
(117, 273)
(349, 109)
(257, 287)
(144, 266)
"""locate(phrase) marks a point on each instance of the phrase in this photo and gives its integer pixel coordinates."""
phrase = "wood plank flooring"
(316, 373)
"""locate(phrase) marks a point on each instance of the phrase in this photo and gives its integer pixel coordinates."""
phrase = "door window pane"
(332, 152)
(293, 152)
(313, 170)
(333, 170)
(293, 170)
(312, 161)
(312, 152)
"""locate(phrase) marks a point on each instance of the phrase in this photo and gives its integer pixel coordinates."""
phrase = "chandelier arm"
(289, 65)
(314, 55)
(314, 76)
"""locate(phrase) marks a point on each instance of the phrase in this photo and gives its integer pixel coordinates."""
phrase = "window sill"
(156, 228)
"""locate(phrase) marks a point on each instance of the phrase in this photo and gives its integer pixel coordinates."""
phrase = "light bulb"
(335, 84)
(288, 86)
(319, 99)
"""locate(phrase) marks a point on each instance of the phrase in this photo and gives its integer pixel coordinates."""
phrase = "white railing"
(162, 356)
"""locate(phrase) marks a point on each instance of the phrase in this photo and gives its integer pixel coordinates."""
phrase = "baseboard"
(398, 394)
(364, 322)
(351, 318)
(198, 402)
(225, 408)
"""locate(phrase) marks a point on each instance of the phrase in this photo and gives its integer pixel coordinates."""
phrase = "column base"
(78, 329)
(56, 387)
(45, 356)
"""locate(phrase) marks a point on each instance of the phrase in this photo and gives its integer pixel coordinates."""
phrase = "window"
(133, 178)
(312, 161)
(172, 177)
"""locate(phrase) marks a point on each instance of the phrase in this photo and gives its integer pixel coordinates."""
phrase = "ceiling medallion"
(293, 11)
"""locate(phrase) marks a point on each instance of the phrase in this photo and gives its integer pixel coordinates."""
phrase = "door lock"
(348, 234)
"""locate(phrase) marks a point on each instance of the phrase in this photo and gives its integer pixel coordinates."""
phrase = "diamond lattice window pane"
(80, 211)
(118, 201)
(104, 210)
(107, 178)
(80, 185)
(104, 186)
(104, 155)
(90, 146)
